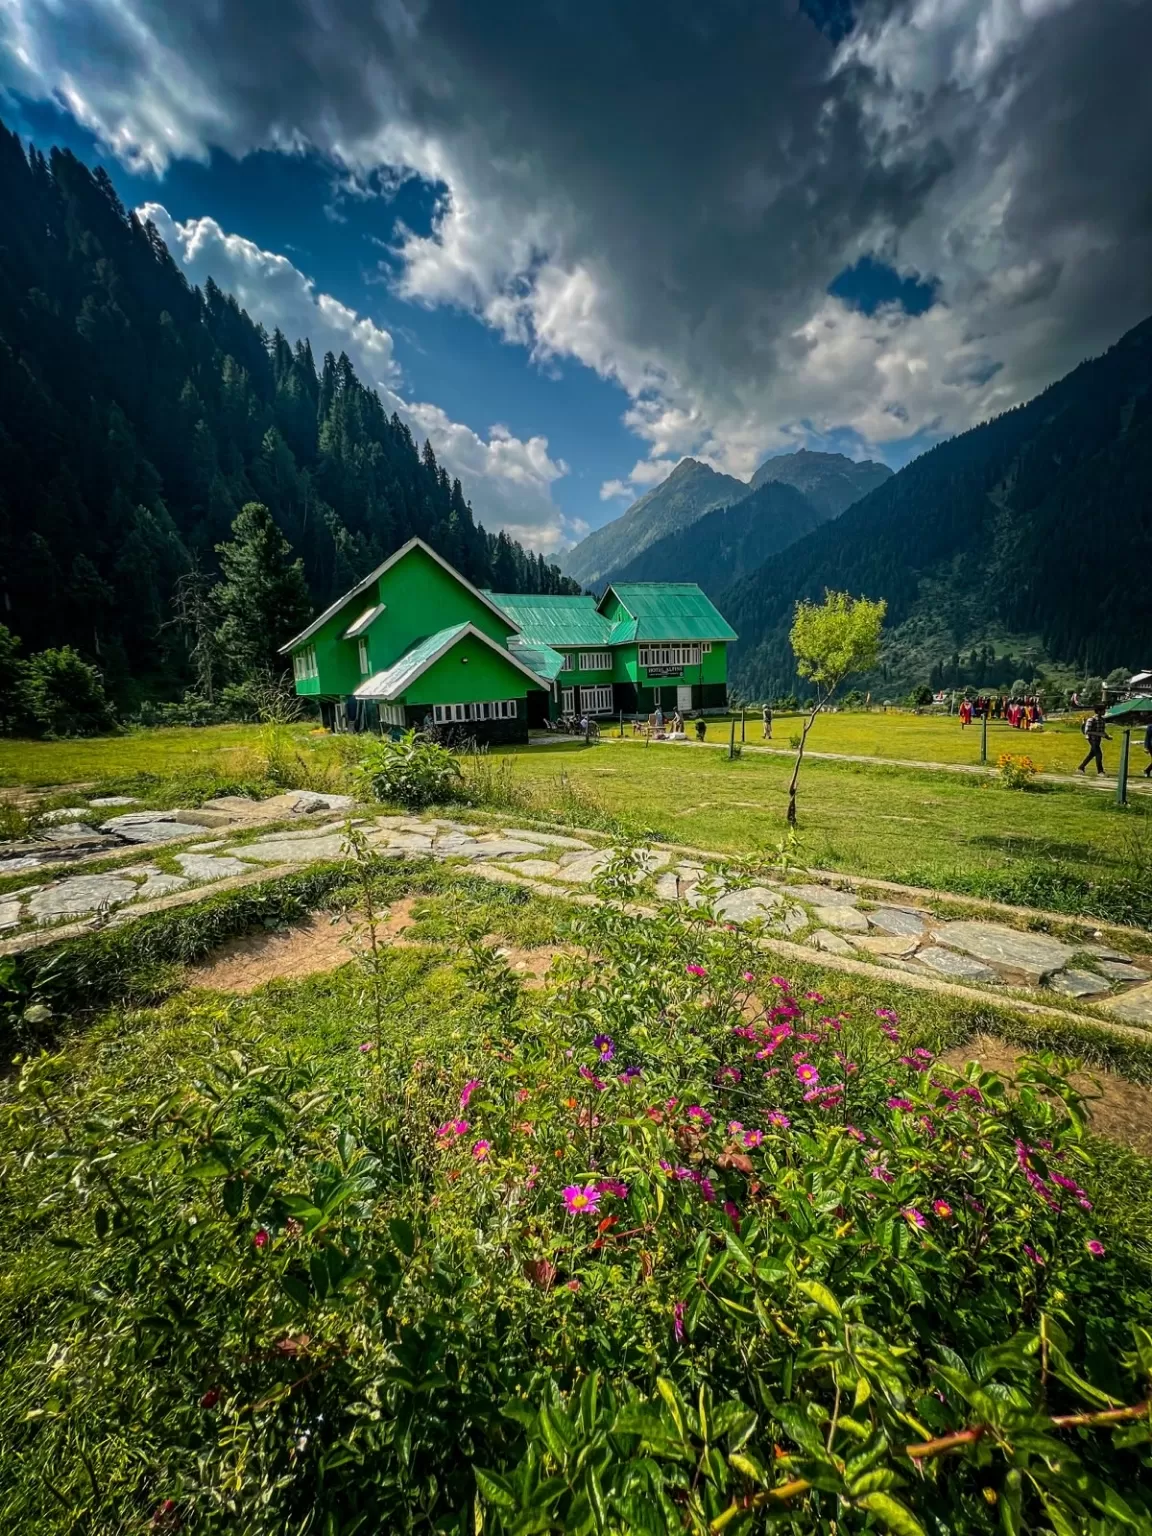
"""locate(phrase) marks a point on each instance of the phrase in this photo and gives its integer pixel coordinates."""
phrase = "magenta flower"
(1032, 1254)
(753, 1138)
(696, 970)
(452, 1128)
(260, 1239)
(807, 1073)
(878, 1171)
(856, 1135)
(778, 981)
(612, 1187)
(581, 1201)
(914, 1218)
(900, 1104)
(729, 1075)
(778, 1121)
(731, 1210)
(814, 997)
(706, 1189)
(942, 1209)
(369, 1045)
(628, 1074)
(589, 1076)
(735, 1127)
(748, 976)
(678, 1320)
(695, 1112)
(480, 1150)
(468, 1090)
(1095, 1248)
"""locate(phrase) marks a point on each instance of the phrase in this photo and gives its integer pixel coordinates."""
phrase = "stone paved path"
(889, 935)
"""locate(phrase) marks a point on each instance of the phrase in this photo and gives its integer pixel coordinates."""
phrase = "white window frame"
(674, 655)
(595, 661)
(705, 647)
(485, 709)
(568, 701)
(597, 700)
(393, 714)
(304, 663)
(362, 652)
(567, 663)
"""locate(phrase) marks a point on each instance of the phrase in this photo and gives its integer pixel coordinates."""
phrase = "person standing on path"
(767, 713)
(1096, 733)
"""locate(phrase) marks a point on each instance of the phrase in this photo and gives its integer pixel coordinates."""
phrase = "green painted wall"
(466, 674)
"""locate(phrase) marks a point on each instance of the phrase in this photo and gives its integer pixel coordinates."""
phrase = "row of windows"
(673, 655)
(499, 709)
(393, 714)
(589, 661)
(593, 701)
(304, 663)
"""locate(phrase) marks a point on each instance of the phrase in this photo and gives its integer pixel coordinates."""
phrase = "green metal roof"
(1132, 711)
(666, 610)
(544, 661)
(554, 621)
(392, 682)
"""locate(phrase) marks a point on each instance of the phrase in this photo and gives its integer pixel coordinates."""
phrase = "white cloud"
(507, 479)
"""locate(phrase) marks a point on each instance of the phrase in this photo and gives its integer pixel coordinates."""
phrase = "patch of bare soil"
(303, 949)
(531, 965)
(1116, 1108)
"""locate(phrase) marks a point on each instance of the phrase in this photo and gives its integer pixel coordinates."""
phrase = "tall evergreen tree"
(263, 598)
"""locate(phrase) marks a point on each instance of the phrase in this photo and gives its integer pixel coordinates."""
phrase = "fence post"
(732, 743)
(1122, 771)
(621, 722)
(984, 736)
(741, 722)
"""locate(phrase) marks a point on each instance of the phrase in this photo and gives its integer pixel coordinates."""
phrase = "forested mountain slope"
(137, 416)
(831, 481)
(690, 491)
(1038, 523)
(729, 543)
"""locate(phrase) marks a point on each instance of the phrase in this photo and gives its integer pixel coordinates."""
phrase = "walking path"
(1137, 784)
(851, 925)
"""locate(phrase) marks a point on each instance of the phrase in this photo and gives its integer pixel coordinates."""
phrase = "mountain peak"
(831, 481)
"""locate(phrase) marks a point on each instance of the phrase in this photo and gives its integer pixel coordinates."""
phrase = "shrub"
(1017, 772)
(671, 1247)
(412, 772)
(64, 694)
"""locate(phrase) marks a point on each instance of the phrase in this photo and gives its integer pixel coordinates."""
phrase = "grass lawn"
(1058, 748)
(220, 750)
(946, 830)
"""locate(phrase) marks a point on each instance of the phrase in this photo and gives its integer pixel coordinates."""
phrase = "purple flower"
(678, 1320)
(480, 1150)
(753, 1138)
(590, 1076)
(581, 1201)
(878, 1171)
(604, 1045)
(1095, 1247)
(468, 1090)
(900, 1104)
(696, 970)
(732, 1211)
(628, 1074)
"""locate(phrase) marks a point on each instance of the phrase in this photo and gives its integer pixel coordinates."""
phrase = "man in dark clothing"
(1096, 733)
(1148, 749)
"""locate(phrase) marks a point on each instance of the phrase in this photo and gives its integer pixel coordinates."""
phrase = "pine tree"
(263, 598)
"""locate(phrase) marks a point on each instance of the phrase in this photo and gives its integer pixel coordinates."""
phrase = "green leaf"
(891, 1514)
(748, 1467)
(402, 1235)
(495, 1488)
(674, 1401)
(822, 1296)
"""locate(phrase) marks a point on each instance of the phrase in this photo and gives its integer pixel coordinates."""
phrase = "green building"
(416, 642)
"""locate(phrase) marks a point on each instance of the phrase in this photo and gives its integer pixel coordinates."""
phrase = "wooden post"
(1122, 771)
(732, 743)
(984, 735)
(741, 722)
(621, 722)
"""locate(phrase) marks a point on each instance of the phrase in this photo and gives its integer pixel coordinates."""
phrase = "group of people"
(1023, 714)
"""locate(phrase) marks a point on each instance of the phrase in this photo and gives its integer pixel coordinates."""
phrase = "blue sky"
(574, 243)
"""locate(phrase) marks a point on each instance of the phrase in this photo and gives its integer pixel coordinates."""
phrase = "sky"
(573, 241)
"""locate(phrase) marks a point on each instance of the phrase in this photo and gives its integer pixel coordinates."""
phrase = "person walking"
(1096, 733)
(701, 729)
(767, 714)
(1148, 749)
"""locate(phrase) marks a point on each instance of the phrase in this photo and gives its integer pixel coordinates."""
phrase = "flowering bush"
(1016, 772)
(412, 772)
(670, 1246)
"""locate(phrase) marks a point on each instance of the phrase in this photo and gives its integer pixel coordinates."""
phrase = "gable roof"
(543, 660)
(361, 586)
(555, 620)
(416, 660)
(666, 610)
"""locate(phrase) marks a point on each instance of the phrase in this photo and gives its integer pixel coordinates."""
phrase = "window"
(393, 714)
(705, 647)
(567, 663)
(304, 663)
(669, 655)
(595, 661)
(597, 701)
(455, 714)
(568, 701)
(362, 647)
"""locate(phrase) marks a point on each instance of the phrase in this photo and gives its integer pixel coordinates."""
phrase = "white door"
(683, 699)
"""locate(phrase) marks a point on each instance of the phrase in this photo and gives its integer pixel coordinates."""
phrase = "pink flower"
(695, 1112)
(732, 1212)
(778, 1121)
(1032, 1254)
(369, 1045)
(807, 1073)
(581, 1201)
(1095, 1248)
(748, 976)
(589, 1076)
(612, 1187)
(468, 1090)
(778, 981)
(452, 1128)
(914, 1218)
(678, 1320)
(480, 1150)
(942, 1209)
(753, 1138)
(696, 970)
(260, 1239)
(729, 1075)
(850, 1130)
(573, 1285)
(734, 1127)
(814, 997)
(900, 1104)
(878, 1171)
(521, 1095)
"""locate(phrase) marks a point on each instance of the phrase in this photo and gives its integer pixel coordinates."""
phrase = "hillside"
(831, 481)
(690, 491)
(729, 543)
(1037, 523)
(137, 416)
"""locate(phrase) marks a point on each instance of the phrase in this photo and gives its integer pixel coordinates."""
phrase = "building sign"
(665, 671)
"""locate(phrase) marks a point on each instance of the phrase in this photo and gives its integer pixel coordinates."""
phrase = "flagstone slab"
(891, 946)
(548, 839)
(1077, 984)
(958, 967)
(674, 885)
(1104, 952)
(67, 831)
(821, 895)
(1032, 956)
(847, 919)
(584, 867)
(103, 800)
(831, 943)
(896, 920)
(756, 904)
(160, 884)
(294, 850)
(1135, 1005)
(79, 894)
(539, 869)
(1122, 970)
(203, 866)
(504, 848)
(9, 915)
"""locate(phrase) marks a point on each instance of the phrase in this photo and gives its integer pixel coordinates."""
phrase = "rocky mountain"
(689, 492)
(1037, 523)
(831, 481)
(729, 543)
